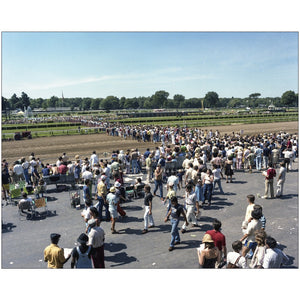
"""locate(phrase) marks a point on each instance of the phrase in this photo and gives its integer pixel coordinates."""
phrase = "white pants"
(279, 191)
(190, 215)
(148, 219)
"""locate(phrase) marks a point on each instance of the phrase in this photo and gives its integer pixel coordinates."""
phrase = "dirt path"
(48, 149)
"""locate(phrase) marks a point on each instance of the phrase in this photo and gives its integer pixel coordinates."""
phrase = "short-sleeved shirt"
(101, 189)
(54, 256)
(112, 201)
(96, 237)
(252, 227)
(218, 237)
(176, 211)
(190, 199)
(148, 198)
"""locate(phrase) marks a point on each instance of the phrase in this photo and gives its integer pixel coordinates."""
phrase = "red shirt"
(62, 169)
(271, 173)
(218, 237)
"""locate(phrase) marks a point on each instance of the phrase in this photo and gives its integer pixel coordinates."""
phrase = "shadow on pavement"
(188, 244)
(128, 219)
(131, 231)
(114, 247)
(7, 227)
(120, 259)
(132, 207)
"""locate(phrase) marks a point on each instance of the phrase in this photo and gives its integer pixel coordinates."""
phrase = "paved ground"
(23, 241)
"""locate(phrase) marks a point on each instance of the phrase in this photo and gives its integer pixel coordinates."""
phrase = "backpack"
(233, 266)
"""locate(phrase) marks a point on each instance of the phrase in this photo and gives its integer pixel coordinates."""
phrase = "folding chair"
(129, 190)
(39, 203)
(13, 194)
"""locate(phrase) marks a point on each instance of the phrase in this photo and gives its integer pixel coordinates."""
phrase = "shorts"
(6, 186)
(251, 245)
(113, 214)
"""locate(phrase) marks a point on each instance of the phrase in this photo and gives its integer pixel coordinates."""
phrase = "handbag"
(233, 266)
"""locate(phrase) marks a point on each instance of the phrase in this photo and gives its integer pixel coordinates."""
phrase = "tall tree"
(211, 99)
(178, 100)
(159, 99)
(25, 100)
(289, 98)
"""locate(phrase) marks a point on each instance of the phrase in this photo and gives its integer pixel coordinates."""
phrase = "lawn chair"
(39, 203)
(129, 190)
(13, 194)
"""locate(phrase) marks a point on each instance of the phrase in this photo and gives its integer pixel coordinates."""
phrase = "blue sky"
(132, 64)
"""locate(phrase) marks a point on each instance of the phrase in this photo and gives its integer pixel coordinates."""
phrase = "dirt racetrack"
(48, 149)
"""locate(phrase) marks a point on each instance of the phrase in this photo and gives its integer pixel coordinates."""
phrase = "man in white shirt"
(18, 173)
(191, 203)
(94, 160)
(274, 257)
(281, 180)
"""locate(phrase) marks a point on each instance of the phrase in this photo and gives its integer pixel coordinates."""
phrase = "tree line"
(159, 99)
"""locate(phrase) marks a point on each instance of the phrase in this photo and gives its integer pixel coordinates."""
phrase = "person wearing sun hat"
(210, 256)
(81, 255)
(112, 201)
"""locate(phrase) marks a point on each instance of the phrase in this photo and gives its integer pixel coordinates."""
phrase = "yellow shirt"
(54, 256)
(101, 189)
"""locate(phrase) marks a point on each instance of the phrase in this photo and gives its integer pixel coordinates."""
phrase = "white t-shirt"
(217, 173)
(233, 256)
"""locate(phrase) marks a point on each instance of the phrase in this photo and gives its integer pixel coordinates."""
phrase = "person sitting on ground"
(40, 189)
(25, 203)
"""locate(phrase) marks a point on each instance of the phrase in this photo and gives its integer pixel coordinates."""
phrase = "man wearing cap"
(54, 255)
(112, 206)
(101, 197)
(96, 240)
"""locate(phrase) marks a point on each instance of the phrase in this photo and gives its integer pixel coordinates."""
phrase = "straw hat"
(207, 239)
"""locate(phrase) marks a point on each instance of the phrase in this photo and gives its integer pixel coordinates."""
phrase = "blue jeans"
(199, 193)
(134, 166)
(174, 232)
(100, 205)
(207, 192)
(158, 184)
(258, 162)
(26, 175)
(218, 181)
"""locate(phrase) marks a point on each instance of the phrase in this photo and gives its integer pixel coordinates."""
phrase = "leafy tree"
(15, 102)
(254, 95)
(53, 101)
(95, 103)
(178, 100)
(159, 99)
(211, 99)
(110, 102)
(289, 98)
(25, 100)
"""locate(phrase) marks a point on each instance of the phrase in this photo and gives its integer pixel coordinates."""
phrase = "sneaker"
(171, 248)
(183, 231)
(144, 231)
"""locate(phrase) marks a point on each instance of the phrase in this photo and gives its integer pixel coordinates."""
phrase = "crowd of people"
(206, 157)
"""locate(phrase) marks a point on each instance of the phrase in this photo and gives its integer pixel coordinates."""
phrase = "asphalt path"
(23, 240)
